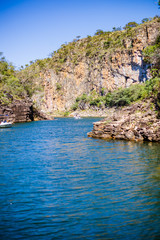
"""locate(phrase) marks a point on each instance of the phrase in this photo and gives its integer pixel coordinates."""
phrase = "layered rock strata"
(117, 68)
(137, 122)
(17, 111)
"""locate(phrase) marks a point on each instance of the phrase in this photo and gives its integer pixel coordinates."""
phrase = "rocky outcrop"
(136, 122)
(17, 111)
(116, 68)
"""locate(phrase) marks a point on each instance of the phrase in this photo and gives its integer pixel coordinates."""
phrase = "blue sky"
(32, 29)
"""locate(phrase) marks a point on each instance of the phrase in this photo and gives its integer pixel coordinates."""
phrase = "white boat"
(77, 116)
(5, 124)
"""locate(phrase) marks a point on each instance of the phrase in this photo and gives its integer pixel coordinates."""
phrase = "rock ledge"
(137, 122)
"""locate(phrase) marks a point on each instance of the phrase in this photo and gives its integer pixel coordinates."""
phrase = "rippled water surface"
(56, 183)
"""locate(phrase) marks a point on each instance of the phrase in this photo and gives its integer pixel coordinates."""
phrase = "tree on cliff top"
(130, 25)
(99, 32)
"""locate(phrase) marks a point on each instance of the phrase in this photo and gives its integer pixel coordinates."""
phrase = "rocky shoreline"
(20, 111)
(23, 111)
(137, 122)
(17, 111)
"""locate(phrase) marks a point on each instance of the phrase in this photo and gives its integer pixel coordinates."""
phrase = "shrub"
(99, 32)
(78, 99)
(84, 97)
(95, 102)
(151, 54)
(125, 96)
(66, 114)
(10, 86)
(88, 52)
(148, 53)
(107, 44)
(145, 20)
(130, 25)
(102, 91)
(75, 106)
(152, 86)
(58, 87)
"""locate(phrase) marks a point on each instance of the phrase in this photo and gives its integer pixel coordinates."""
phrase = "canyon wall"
(119, 67)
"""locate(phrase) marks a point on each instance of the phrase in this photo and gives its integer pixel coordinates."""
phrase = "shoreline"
(137, 122)
(83, 113)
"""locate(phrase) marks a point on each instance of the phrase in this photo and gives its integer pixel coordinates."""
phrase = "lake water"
(56, 183)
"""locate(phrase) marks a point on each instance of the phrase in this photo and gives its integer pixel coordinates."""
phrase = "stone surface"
(119, 68)
(136, 122)
(18, 111)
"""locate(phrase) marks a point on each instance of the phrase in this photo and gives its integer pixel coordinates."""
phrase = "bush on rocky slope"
(10, 86)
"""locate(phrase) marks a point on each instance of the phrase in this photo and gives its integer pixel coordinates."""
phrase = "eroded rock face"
(119, 68)
(137, 122)
(18, 111)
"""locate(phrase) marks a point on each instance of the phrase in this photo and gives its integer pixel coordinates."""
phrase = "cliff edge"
(138, 122)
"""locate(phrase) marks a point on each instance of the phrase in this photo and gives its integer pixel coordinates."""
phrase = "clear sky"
(32, 29)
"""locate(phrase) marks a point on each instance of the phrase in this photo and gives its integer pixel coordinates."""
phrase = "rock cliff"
(109, 68)
(17, 111)
(136, 122)
(92, 65)
(21, 111)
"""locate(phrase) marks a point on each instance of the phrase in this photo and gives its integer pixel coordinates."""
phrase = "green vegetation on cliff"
(31, 77)
(121, 97)
(100, 48)
(126, 96)
(99, 45)
(10, 86)
(91, 47)
(17, 85)
(152, 56)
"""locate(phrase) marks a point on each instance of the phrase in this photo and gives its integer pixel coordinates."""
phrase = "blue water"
(56, 183)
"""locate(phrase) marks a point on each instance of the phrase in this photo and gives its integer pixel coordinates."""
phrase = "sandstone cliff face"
(18, 111)
(117, 68)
